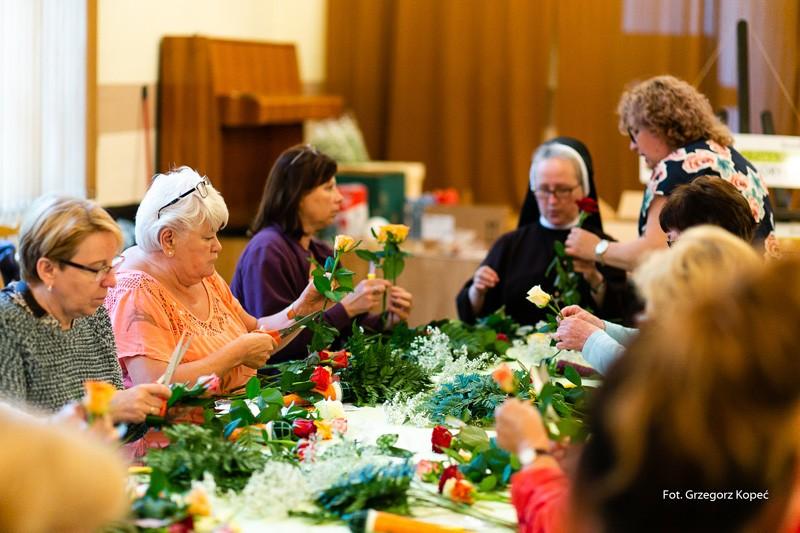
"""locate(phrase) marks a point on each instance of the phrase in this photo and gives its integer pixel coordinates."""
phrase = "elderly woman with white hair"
(167, 287)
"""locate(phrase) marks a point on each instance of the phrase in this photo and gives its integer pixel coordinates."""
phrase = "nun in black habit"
(561, 174)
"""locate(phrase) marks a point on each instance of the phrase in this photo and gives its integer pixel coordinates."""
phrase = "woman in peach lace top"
(167, 285)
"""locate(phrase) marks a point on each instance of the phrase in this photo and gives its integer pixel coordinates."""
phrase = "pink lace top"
(148, 321)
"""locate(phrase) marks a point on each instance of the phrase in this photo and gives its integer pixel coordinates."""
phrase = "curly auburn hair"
(673, 109)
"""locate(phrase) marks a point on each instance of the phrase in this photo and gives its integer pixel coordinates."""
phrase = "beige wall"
(128, 36)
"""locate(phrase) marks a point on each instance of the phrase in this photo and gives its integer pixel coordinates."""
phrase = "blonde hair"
(189, 212)
(57, 478)
(672, 109)
(55, 226)
(707, 399)
(704, 258)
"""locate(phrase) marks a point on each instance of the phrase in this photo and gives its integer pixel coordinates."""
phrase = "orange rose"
(504, 378)
(98, 397)
(294, 398)
(198, 503)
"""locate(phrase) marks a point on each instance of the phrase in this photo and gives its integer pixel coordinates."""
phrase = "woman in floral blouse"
(673, 127)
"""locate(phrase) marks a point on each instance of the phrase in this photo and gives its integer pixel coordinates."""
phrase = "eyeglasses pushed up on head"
(201, 188)
(99, 273)
(307, 149)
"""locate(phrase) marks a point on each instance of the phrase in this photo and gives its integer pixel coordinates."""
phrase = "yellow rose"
(394, 232)
(98, 397)
(538, 297)
(324, 429)
(344, 243)
(198, 503)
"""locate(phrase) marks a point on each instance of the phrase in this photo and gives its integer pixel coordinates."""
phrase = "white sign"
(776, 157)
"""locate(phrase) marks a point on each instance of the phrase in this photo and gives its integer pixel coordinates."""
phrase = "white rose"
(330, 409)
(538, 297)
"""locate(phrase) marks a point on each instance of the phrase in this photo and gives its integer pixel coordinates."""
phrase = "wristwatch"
(528, 455)
(600, 250)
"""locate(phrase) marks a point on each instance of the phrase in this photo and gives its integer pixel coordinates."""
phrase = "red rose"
(587, 205)
(336, 359)
(450, 471)
(340, 360)
(502, 337)
(303, 427)
(440, 438)
(321, 378)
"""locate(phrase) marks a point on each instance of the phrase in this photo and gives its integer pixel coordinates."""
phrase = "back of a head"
(57, 478)
(700, 262)
(704, 401)
(708, 200)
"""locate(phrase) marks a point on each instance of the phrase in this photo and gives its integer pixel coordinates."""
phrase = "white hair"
(190, 211)
(561, 151)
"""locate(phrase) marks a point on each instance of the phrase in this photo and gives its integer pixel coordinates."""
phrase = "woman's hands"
(134, 404)
(309, 301)
(254, 348)
(581, 244)
(367, 295)
(399, 305)
(485, 278)
(519, 425)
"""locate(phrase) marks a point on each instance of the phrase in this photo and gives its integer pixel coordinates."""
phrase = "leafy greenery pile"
(372, 487)
(200, 450)
(378, 372)
(471, 398)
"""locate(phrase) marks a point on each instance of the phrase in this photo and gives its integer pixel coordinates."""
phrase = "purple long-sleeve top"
(272, 272)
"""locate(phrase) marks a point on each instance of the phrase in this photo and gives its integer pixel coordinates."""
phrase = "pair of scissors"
(175, 360)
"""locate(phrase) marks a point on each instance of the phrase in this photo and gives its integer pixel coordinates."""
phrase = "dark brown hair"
(296, 172)
(708, 200)
(704, 400)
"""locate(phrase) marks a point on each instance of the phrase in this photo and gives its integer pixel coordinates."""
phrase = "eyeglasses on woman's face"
(560, 193)
(201, 188)
(632, 133)
(99, 273)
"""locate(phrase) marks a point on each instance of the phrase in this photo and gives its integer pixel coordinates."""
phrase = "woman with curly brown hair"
(673, 127)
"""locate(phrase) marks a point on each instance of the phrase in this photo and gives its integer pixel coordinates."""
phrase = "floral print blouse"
(708, 158)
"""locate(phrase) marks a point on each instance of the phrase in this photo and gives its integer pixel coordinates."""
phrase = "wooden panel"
(248, 156)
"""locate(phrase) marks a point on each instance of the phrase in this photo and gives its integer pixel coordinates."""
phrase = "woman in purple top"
(300, 198)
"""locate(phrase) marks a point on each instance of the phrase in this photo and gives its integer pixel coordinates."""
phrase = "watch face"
(601, 247)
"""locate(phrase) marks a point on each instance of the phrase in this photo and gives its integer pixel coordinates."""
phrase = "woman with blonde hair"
(703, 259)
(55, 333)
(672, 126)
(58, 478)
(695, 428)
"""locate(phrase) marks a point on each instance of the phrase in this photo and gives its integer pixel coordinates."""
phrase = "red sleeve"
(540, 496)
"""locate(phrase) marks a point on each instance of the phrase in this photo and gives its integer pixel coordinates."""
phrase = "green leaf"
(488, 483)
(473, 438)
(273, 395)
(253, 388)
(366, 255)
(572, 375)
(559, 247)
(393, 266)
(322, 284)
